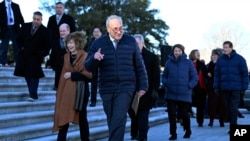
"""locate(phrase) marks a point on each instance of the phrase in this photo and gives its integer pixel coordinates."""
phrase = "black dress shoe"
(210, 124)
(173, 137)
(240, 115)
(134, 138)
(222, 124)
(92, 104)
(187, 134)
(142, 139)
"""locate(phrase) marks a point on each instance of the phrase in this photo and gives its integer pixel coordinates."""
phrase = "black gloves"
(154, 95)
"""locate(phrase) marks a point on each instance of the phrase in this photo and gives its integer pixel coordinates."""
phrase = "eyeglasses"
(116, 29)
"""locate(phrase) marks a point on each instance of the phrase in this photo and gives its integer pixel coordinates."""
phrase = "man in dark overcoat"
(58, 51)
(34, 43)
(10, 21)
(139, 121)
(59, 18)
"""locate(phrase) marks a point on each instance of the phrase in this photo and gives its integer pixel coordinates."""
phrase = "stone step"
(20, 85)
(100, 132)
(23, 119)
(16, 79)
(8, 71)
(15, 87)
(18, 96)
(27, 106)
(25, 132)
(15, 96)
(158, 111)
(42, 130)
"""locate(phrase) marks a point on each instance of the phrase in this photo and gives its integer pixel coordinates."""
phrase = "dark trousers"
(183, 107)
(200, 96)
(83, 125)
(232, 101)
(32, 84)
(10, 35)
(139, 123)
(216, 105)
(93, 89)
(116, 106)
(57, 77)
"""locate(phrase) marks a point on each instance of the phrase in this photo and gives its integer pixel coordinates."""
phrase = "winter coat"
(33, 49)
(179, 78)
(4, 19)
(231, 72)
(57, 55)
(201, 68)
(210, 80)
(153, 72)
(121, 69)
(54, 27)
(66, 94)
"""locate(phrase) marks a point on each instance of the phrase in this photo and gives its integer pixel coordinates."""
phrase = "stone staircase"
(32, 121)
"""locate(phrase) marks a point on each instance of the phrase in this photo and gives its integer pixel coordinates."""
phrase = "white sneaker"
(31, 99)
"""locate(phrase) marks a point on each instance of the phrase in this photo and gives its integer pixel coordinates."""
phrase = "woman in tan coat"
(73, 71)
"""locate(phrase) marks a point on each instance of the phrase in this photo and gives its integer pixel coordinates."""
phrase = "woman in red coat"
(199, 91)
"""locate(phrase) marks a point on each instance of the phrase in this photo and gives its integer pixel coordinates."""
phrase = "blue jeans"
(232, 101)
(10, 35)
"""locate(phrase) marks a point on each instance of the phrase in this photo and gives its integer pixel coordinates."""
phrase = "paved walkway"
(205, 133)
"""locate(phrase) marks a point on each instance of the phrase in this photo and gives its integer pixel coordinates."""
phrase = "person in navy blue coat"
(231, 77)
(121, 73)
(179, 78)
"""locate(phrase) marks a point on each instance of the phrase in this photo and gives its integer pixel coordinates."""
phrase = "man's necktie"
(33, 30)
(61, 43)
(115, 43)
(9, 14)
(57, 19)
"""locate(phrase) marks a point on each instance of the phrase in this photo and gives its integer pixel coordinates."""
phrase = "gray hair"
(113, 17)
(64, 25)
(139, 36)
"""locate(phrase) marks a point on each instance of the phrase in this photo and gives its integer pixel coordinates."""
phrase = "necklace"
(73, 56)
